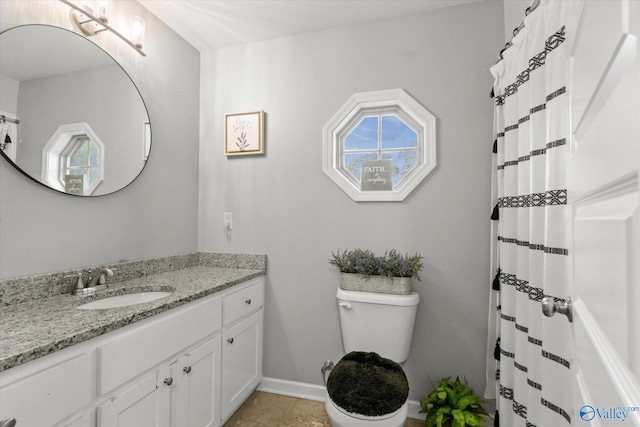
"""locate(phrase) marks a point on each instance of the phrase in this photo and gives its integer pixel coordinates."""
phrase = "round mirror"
(70, 117)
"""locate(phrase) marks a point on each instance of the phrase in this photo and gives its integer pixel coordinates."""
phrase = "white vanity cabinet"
(191, 366)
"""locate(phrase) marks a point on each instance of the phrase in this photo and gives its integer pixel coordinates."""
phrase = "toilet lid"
(366, 383)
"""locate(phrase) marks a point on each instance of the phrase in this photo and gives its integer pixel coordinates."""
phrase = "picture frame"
(244, 133)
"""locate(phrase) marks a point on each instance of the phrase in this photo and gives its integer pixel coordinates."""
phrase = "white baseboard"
(293, 389)
(315, 392)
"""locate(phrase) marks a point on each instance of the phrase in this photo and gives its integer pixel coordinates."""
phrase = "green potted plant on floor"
(453, 403)
(392, 273)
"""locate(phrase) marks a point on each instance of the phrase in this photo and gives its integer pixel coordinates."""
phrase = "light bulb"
(137, 30)
(103, 10)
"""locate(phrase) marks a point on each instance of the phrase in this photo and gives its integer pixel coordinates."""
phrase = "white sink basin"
(123, 300)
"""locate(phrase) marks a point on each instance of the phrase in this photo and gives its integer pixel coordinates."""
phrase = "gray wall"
(513, 16)
(283, 205)
(45, 231)
(9, 95)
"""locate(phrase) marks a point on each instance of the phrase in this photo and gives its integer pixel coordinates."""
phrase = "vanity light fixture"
(92, 22)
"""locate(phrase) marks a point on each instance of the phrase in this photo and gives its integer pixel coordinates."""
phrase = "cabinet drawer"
(146, 346)
(48, 396)
(244, 301)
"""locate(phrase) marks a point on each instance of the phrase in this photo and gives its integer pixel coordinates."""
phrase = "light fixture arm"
(101, 22)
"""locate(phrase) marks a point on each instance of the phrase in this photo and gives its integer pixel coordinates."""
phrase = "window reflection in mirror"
(83, 160)
(73, 161)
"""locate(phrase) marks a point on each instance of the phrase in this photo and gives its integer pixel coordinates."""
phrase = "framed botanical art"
(243, 133)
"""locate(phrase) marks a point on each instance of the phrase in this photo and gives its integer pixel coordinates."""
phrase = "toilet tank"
(378, 322)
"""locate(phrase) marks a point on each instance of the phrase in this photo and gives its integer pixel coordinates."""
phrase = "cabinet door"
(198, 386)
(145, 404)
(241, 362)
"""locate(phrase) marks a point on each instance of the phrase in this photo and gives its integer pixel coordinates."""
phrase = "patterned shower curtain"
(529, 355)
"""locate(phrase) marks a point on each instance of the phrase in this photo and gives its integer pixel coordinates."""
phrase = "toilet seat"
(365, 386)
(341, 418)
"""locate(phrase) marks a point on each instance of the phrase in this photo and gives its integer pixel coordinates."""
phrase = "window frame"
(360, 105)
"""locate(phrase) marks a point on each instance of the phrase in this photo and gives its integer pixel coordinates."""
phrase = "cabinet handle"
(230, 340)
(9, 422)
(248, 301)
(168, 381)
(187, 369)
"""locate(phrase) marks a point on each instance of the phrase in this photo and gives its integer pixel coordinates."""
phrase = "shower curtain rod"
(516, 30)
(4, 118)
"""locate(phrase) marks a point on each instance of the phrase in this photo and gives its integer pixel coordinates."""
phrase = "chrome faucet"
(99, 278)
(95, 282)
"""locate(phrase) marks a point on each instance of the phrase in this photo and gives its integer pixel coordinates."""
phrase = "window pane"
(80, 155)
(364, 136)
(403, 163)
(396, 134)
(93, 150)
(353, 162)
(93, 174)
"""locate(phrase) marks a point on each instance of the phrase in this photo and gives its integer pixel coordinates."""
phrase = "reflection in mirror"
(70, 116)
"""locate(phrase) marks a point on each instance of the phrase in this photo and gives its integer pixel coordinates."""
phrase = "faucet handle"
(79, 282)
(100, 277)
(103, 275)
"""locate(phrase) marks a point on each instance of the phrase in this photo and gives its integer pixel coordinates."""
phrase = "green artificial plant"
(455, 403)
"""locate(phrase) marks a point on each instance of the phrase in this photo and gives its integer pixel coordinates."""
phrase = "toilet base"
(340, 418)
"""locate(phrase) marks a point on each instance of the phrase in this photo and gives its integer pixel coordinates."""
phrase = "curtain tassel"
(496, 281)
(495, 215)
(496, 419)
(496, 350)
(495, 146)
(492, 94)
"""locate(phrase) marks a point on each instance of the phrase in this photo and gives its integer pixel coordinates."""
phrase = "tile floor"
(274, 410)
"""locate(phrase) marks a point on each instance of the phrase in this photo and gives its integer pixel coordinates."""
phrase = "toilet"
(380, 324)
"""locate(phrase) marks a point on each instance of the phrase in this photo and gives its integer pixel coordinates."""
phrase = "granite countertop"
(33, 329)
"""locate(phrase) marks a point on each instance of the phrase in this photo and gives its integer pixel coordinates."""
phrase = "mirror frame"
(148, 127)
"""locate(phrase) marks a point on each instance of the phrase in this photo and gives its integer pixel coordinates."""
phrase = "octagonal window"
(379, 146)
(73, 160)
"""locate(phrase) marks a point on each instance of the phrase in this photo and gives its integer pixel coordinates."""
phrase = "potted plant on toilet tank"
(391, 273)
